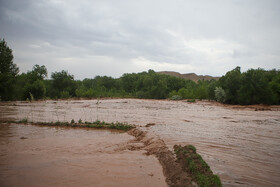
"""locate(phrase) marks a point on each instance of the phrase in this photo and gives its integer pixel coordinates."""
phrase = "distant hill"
(191, 76)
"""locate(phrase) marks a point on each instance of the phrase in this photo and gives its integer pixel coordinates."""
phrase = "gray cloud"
(108, 37)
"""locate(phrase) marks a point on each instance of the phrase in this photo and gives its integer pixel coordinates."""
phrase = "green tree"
(63, 84)
(186, 93)
(201, 91)
(231, 83)
(37, 89)
(275, 87)
(211, 89)
(128, 82)
(39, 72)
(254, 88)
(8, 72)
(33, 82)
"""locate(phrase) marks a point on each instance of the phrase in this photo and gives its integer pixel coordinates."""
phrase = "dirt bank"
(258, 107)
(172, 170)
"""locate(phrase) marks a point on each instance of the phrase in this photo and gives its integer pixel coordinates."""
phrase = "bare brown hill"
(191, 76)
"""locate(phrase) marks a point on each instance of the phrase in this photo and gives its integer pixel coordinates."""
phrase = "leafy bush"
(64, 95)
(176, 97)
(220, 94)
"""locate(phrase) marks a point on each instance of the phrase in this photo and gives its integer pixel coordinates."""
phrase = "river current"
(241, 144)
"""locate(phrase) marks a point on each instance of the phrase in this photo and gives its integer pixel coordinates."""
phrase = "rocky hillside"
(191, 76)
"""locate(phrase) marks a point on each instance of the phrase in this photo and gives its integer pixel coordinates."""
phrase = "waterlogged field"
(241, 144)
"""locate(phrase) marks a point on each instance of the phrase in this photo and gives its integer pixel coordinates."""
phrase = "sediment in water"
(175, 174)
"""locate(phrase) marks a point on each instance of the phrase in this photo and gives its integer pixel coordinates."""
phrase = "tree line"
(255, 86)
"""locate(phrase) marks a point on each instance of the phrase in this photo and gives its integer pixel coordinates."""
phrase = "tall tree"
(275, 87)
(39, 72)
(8, 72)
(231, 83)
(33, 82)
(255, 88)
(63, 84)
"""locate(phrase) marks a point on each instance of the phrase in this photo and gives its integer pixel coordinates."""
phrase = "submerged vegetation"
(97, 124)
(255, 86)
(193, 163)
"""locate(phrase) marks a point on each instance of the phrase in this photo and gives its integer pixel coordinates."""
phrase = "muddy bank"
(175, 176)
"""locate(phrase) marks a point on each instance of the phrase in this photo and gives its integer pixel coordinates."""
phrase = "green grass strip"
(193, 163)
(97, 124)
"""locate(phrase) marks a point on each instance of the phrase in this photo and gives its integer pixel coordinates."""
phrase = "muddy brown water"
(51, 156)
(240, 144)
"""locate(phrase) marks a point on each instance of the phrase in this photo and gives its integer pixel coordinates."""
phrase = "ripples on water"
(241, 145)
(49, 156)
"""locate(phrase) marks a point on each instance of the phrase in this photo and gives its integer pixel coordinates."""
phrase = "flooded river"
(52, 156)
(240, 144)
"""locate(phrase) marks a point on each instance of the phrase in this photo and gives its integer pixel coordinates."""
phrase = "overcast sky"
(112, 37)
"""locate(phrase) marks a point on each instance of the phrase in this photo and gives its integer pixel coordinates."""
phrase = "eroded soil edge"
(172, 170)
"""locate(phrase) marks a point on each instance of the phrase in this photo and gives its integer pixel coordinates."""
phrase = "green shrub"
(192, 166)
(64, 95)
(176, 97)
(24, 120)
(191, 147)
(220, 94)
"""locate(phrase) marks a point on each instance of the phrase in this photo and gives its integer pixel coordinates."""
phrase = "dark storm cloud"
(111, 37)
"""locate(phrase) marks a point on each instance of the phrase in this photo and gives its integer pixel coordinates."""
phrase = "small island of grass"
(97, 124)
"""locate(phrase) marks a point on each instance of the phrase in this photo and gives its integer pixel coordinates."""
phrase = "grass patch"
(97, 124)
(117, 125)
(193, 163)
(191, 100)
(24, 120)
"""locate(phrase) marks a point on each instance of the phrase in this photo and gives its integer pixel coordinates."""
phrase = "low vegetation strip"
(97, 124)
(193, 163)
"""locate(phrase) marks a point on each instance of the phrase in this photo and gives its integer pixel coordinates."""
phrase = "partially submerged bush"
(196, 166)
(24, 120)
(176, 97)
